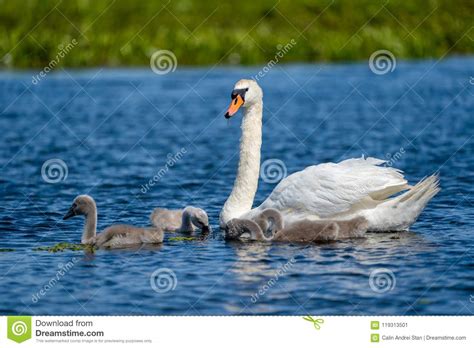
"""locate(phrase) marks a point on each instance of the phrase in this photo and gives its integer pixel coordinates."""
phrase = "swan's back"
(323, 230)
(117, 236)
(353, 228)
(329, 189)
(269, 226)
(166, 219)
(307, 231)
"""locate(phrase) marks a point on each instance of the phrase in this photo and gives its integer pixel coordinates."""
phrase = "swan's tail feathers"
(406, 208)
(421, 193)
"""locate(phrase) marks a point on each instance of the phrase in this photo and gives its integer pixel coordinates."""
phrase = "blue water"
(114, 130)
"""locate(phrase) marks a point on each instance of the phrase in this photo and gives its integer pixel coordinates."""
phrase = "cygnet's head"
(244, 229)
(199, 218)
(246, 93)
(82, 205)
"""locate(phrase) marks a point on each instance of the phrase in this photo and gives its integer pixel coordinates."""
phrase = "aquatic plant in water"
(59, 247)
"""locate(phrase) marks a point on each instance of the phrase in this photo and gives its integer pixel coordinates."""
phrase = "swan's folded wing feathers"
(328, 189)
(111, 232)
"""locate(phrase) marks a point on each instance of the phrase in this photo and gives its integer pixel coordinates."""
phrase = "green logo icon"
(374, 325)
(19, 328)
(316, 322)
(374, 338)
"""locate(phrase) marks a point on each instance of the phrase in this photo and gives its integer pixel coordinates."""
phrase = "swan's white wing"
(329, 189)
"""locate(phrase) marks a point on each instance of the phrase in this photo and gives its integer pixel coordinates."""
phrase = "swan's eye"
(237, 92)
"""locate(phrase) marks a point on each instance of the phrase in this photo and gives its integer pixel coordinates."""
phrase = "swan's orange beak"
(236, 103)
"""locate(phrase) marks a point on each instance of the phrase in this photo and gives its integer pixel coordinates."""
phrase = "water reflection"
(252, 260)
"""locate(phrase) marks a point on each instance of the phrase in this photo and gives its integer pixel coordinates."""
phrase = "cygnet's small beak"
(70, 213)
(206, 229)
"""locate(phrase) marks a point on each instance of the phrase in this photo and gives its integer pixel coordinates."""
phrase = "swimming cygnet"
(268, 226)
(185, 220)
(114, 236)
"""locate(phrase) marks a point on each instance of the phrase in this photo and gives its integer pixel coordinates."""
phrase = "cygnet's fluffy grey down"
(185, 220)
(115, 236)
(268, 226)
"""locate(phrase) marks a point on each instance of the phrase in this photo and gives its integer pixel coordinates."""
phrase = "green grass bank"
(126, 33)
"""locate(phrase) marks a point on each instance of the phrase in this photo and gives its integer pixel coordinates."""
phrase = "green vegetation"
(124, 32)
(5, 250)
(65, 246)
(181, 239)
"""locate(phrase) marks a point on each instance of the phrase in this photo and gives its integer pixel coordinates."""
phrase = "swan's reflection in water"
(254, 257)
(126, 250)
(252, 260)
(284, 271)
(255, 268)
(388, 247)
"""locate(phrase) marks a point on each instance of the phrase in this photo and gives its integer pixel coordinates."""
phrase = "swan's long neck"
(241, 198)
(90, 227)
(186, 223)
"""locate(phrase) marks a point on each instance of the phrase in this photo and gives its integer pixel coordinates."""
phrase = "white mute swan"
(180, 220)
(268, 226)
(115, 236)
(336, 191)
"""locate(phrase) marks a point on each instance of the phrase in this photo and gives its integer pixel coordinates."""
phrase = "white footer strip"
(228, 332)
